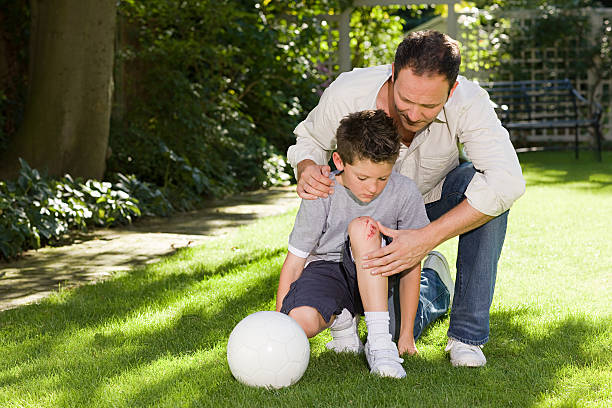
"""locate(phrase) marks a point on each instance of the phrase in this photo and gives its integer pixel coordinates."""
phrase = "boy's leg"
(310, 320)
(317, 296)
(365, 237)
(381, 351)
(344, 332)
(435, 294)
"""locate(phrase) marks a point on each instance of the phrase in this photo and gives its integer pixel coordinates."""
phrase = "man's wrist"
(432, 235)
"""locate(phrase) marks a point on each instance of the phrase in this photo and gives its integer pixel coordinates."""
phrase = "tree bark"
(67, 113)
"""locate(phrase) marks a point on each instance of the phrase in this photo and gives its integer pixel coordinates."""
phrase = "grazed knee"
(363, 228)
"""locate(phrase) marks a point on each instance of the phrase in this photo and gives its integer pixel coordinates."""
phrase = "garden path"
(96, 255)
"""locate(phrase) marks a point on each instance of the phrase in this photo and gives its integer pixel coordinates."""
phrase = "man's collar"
(441, 116)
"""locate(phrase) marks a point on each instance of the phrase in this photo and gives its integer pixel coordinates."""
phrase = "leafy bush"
(201, 109)
(36, 211)
(504, 42)
(151, 200)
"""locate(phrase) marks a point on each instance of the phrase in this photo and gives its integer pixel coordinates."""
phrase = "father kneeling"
(436, 111)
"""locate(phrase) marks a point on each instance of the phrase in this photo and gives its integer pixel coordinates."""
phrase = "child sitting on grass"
(322, 282)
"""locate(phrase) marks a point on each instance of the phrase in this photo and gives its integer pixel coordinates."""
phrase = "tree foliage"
(212, 86)
(375, 33)
(564, 25)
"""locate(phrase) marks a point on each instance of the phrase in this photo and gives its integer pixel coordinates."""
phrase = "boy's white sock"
(342, 320)
(378, 326)
(344, 333)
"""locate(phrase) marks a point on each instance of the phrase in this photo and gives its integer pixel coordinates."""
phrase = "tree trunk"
(67, 114)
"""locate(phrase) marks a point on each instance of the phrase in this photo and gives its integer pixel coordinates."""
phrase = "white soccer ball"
(268, 349)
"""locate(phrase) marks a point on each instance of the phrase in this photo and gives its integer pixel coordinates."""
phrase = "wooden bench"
(554, 104)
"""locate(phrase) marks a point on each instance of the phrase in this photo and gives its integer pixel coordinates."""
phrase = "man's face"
(417, 99)
(364, 178)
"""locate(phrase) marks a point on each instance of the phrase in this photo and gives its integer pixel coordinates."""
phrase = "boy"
(322, 282)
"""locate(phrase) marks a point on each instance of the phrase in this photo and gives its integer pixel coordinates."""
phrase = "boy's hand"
(407, 249)
(313, 180)
(405, 344)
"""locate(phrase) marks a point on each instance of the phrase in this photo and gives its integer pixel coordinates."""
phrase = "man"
(435, 111)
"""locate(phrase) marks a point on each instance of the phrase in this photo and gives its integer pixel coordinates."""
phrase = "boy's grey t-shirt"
(320, 228)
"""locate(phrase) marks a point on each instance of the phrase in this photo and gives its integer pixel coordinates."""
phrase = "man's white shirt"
(467, 118)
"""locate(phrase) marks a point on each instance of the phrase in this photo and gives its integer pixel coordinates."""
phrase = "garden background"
(115, 110)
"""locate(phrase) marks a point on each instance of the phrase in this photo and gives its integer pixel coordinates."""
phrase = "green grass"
(156, 336)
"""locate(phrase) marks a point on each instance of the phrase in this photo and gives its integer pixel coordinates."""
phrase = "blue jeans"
(434, 300)
(477, 257)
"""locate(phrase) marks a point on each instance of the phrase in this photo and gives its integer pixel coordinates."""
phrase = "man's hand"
(313, 180)
(408, 248)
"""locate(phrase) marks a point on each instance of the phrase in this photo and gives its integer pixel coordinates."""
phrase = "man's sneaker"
(384, 360)
(465, 355)
(345, 337)
(437, 262)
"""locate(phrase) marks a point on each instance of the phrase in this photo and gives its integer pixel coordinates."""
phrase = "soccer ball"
(268, 349)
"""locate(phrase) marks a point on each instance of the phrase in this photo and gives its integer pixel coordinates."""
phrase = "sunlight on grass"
(156, 336)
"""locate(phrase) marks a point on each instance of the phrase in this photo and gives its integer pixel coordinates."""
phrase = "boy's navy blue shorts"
(327, 286)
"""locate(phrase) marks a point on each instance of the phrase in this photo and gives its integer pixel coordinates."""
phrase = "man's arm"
(290, 272)
(314, 144)
(499, 181)
(409, 247)
(409, 300)
(492, 190)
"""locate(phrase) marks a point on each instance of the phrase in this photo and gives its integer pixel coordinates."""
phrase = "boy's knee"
(309, 319)
(363, 228)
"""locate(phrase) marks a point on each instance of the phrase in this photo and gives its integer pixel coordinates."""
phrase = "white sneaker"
(384, 360)
(345, 337)
(437, 262)
(465, 355)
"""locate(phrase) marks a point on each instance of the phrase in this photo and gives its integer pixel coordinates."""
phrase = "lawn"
(156, 336)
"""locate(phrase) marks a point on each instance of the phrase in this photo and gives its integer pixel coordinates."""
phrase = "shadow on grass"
(181, 359)
(32, 337)
(524, 368)
(527, 360)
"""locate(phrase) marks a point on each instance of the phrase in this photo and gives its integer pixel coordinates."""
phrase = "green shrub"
(204, 109)
(150, 199)
(36, 210)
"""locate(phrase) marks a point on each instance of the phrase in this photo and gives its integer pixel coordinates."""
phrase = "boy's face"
(364, 178)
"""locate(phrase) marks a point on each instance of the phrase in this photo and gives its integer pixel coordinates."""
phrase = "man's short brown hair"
(429, 52)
